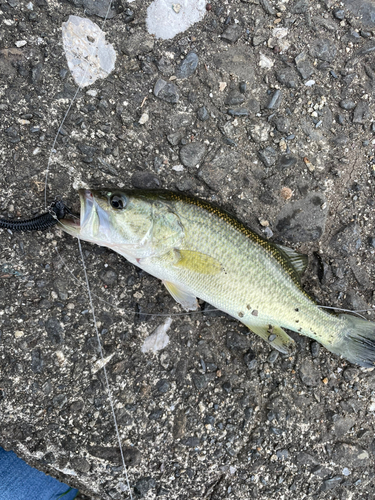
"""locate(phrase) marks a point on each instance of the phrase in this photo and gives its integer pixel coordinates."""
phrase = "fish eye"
(118, 201)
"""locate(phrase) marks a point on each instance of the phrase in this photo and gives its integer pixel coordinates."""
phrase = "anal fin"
(275, 336)
(188, 301)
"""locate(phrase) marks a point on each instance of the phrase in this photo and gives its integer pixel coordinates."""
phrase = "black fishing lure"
(56, 211)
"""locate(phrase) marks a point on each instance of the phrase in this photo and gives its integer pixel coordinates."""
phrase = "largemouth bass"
(201, 251)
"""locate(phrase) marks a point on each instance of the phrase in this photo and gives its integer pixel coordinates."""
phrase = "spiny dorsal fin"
(297, 260)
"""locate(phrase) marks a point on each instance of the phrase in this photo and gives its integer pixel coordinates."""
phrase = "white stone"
(265, 62)
(166, 18)
(159, 339)
(143, 119)
(89, 56)
(20, 43)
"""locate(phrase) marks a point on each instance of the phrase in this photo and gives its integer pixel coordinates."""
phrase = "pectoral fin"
(275, 336)
(195, 261)
(188, 301)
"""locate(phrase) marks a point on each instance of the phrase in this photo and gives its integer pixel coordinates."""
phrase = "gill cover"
(129, 222)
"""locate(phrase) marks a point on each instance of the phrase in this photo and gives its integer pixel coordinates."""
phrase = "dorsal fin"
(297, 260)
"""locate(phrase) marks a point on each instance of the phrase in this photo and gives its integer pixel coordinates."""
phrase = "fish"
(200, 251)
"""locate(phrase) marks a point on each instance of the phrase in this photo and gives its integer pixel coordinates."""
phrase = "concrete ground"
(272, 119)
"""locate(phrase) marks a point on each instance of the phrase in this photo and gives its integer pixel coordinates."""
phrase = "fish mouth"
(93, 222)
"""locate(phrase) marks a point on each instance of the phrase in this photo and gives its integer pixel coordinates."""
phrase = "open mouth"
(94, 222)
(75, 223)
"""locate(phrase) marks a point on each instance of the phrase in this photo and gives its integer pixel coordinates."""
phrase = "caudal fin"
(357, 341)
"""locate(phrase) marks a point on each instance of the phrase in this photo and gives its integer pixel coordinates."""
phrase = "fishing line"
(110, 397)
(128, 311)
(190, 313)
(52, 151)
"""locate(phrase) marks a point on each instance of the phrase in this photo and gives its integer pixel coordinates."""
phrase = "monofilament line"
(104, 368)
(53, 150)
(84, 266)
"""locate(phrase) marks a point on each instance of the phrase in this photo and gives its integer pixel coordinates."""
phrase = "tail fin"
(357, 341)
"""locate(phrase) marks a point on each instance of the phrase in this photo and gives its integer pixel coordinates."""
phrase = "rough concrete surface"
(278, 108)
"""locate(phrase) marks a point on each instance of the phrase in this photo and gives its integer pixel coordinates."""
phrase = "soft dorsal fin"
(297, 260)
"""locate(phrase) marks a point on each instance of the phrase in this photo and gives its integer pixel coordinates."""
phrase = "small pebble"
(286, 193)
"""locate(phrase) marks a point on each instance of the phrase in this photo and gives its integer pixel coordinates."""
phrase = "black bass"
(200, 251)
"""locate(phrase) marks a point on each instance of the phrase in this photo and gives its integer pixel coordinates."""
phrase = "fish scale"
(200, 251)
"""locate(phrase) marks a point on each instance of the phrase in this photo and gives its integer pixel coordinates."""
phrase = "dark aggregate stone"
(250, 360)
(200, 381)
(202, 114)
(192, 154)
(37, 361)
(347, 104)
(286, 161)
(108, 276)
(174, 138)
(143, 485)
(315, 349)
(303, 220)
(275, 100)
(304, 66)
(308, 374)
(227, 387)
(167, 92)
(268, 7)
(188, 66)
(282, 124)
(181, 371)
(162, 386)
(323, 49)
(361, 112)
(306, 459)
(238, 112)
(268, 156)
(243, 87)
(59, 401)
(13, 134)
(139, 43)
(165, 67)
(282, 454)
(210, 420)
(273, 356)
(96, 7)
(80, 464)
(288, 77)
(191, 442)
(330, 484)
(342, 425)
(145, 180)
(232, 33)
(55, 331)
(234, 98)
(156, 414)
(61, 287)
(339, 14)
(253, 106)
(128, 16)
(237, 342)
(364, 10)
